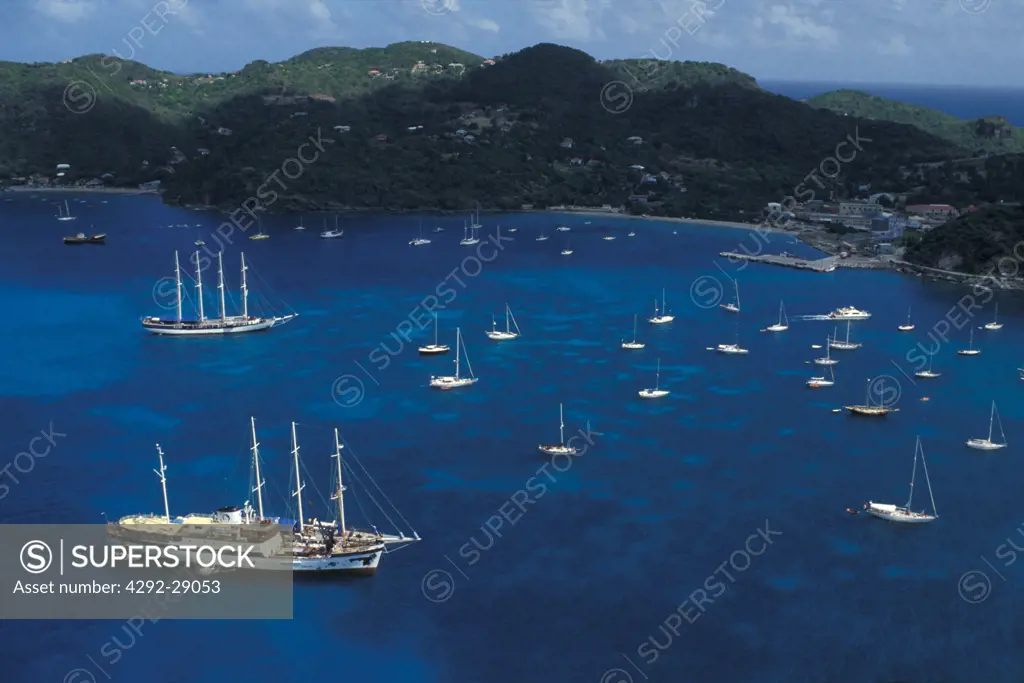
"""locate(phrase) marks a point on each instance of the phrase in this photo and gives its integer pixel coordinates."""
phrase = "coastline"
(666, 219)
(82, 190)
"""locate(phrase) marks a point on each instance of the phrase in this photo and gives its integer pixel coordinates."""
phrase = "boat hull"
(448, 383)
(632, 346)
(193, 328)
(825, 361)
(900, 517)
(968, 352)
(661, 320)
(557, 450)
(349, 564)
(652, 393)
(984, 445)
(994, 326)
(433, 350)
(501, 336)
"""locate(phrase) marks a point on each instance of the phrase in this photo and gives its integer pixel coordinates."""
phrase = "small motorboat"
(851, 511)
(82, 238)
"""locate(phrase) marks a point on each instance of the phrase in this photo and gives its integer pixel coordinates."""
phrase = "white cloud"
(483, 24)
(799, 28)
(569, 19)
(897, 45)
(68, 11)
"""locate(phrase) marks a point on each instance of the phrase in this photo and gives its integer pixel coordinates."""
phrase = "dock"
(825, 265)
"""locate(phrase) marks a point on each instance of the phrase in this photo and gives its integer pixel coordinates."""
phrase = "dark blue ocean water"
(669, 494)
(962, 102)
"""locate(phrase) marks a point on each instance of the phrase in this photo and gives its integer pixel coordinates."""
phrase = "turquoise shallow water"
(596, 564)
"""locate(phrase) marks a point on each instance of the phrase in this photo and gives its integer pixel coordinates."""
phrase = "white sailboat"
(633, 344)
(783, 323)
(421, 240)
(906, 514)
(510, 322)
(845, 345)
(332, 234)
(819, 382)
(300, 226)
(733, 307)
(469, 236)
(66, 214)
(657, 391)
(542, 237)
(734, 348)
(927, 374)
(457, 380)
(475, 225)
(435, 348)
(908, 326)
(224, 324)
(632, 233)
(995, 324)
(662, 317)
(988, 444)
(827, 360)
(563, 228)
(560, 448)
(608, 238)
(568, 248)
(970, 350)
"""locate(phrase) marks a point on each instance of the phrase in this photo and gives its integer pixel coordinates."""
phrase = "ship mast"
(256, 463)
(199, 287)
(177, 279)
(561, 426)
(163, 482)
(341, 488)
(220, 283)
(245, 291)
(298, 481)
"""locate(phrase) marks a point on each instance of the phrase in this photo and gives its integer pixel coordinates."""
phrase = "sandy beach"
(665, 219)
(81, 190)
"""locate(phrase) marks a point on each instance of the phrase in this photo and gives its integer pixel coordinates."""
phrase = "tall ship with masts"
(224, 323)
(303, 545)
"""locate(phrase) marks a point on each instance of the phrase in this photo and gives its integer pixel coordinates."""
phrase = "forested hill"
(989, 134)
(424, 125)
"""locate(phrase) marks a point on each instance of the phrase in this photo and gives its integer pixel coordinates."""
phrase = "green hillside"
(973, 243)
(991, 134)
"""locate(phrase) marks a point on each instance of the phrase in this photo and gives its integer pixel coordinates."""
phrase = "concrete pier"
(825, 265)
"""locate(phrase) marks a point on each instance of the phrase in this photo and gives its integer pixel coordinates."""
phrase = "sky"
(928, 42)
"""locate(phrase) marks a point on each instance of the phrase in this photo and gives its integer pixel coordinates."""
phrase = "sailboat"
(66, 214)
(456, 381)
(663, 318)
(560, 448)
(657, 391)
(827, 360)
(475, 225)
(733, 307)
(469, 236)
(568, 248)
(300, 226)
(927, 374)
(260, 235)
(988, 444)
(783, 323)
(908, 326)
(880, 410)
(435, 348)
(510, 321)
(542, 237)
(608, 238)
(563, 228)
(421, 240)
(330, 234)
(633, 344)
(224, 324)
(845, 345)
(905, 514)
(632, 233)
(734, 348)
(818, 382)
(970, 350)
(995, 324)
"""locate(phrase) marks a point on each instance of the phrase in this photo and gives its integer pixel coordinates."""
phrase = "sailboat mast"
(458, 349)
(913, 475)
(220, 283)
(435, 329)
(867, 393)
(991, 417)
(199, 287)
(245, 291)
(657, 376)
(561, 426)
(634, 328)
(177, 280)
(256, 464)
(508, 328)
(341, 487)
(298, 481)
(928, 480)
(163, 482)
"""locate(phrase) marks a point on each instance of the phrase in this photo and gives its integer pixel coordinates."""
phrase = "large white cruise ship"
(848, 313)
